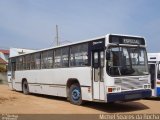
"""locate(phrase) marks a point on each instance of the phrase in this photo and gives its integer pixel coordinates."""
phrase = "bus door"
(152, 70)
(97, 74)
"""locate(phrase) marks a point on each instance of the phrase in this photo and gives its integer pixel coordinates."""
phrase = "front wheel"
(25, 87)
(75, 96)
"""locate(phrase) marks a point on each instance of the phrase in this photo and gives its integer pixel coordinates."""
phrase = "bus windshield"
(127, 61)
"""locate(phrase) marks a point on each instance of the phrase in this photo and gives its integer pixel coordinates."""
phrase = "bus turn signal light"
(113, 89)
(109, 89)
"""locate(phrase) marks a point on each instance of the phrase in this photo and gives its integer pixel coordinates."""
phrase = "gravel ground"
(13, 102)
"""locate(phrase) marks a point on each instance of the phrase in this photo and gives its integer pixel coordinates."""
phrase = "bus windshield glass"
(127, 61)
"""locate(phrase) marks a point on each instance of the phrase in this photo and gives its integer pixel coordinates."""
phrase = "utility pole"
(57, 37)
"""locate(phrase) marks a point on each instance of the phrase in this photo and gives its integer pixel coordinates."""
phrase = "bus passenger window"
(33, 61)
(65, 52)
(50, 59)
(57, 58)
(79, 55)
(27, 62)
(44, 60)
(37, 61)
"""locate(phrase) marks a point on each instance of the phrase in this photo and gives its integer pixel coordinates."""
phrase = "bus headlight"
(113, 89)
(147, 86)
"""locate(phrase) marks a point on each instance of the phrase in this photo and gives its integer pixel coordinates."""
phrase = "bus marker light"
(146, 86)
(89, 89)
(109, 89)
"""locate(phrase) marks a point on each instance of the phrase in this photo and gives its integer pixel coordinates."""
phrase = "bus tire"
(25, 87)
(75, 96)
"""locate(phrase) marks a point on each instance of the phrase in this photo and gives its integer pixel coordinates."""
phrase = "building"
(4, 55)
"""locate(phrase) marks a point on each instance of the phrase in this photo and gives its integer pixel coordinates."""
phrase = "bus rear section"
(154, 69)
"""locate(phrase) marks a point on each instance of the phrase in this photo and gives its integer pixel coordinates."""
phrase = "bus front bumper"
(158, 91)
(129, 95)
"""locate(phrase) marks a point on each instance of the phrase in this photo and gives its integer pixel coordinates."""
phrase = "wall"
(3, 78)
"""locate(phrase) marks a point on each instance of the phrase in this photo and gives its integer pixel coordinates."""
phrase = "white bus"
(154, 69)
(105, 69)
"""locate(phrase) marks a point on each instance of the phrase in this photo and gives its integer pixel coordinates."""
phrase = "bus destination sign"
(126, 40)
(131, 41)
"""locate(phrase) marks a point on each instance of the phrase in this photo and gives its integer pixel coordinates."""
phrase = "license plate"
(134, 96)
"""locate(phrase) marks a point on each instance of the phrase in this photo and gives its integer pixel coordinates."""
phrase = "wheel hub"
(76, 94)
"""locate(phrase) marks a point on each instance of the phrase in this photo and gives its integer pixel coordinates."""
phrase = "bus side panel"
(86, 94)
(17, 85)
(53, 81)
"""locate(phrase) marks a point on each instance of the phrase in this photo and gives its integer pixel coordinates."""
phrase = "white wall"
(18, 51)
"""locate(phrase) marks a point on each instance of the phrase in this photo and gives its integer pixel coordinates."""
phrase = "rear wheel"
(75, 96)
(25, 87)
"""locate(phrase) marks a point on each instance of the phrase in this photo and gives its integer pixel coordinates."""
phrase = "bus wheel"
(75, 96)
(25, 87)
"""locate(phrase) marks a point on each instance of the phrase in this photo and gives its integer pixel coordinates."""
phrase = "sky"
(32, 23)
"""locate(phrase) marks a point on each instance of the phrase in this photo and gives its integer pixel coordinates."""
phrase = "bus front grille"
(130, 83)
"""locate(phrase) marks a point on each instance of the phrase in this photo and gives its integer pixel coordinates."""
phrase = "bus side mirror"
(108, 55)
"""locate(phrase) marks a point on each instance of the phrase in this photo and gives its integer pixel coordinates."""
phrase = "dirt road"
(13, 102)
